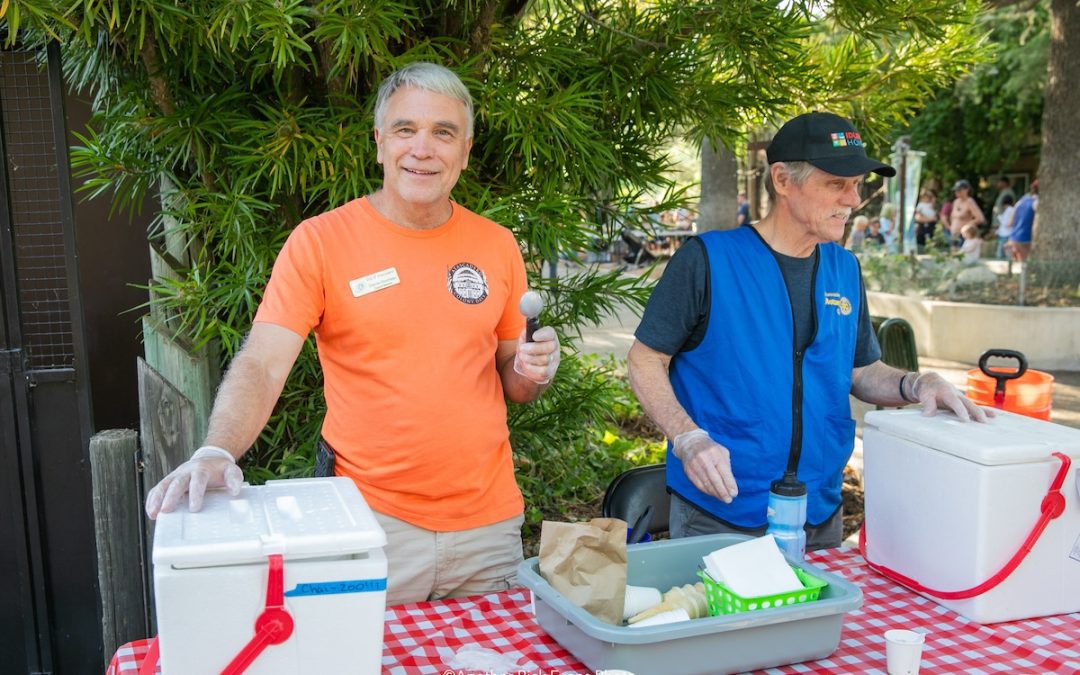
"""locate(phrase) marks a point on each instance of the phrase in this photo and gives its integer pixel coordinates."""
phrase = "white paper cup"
(903, 651)
(671, 616)
(639, 599)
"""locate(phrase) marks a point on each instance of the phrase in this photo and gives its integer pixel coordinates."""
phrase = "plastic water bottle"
(787, 515)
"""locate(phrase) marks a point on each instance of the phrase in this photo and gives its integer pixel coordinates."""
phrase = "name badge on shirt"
(374, 282)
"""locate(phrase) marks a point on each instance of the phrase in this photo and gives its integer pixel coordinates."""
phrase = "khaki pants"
(427, 565)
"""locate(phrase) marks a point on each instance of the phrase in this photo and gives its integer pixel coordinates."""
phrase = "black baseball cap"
(826, 141)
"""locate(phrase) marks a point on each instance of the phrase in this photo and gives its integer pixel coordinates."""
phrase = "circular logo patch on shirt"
(467, 283)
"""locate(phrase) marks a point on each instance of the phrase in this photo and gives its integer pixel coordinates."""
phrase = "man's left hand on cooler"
(538, 360)
(934, 393)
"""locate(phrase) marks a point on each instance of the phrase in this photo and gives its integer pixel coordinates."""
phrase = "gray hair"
(429, 77)
(797, 171)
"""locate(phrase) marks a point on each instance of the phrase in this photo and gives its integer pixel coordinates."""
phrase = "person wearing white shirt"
(1005, 225)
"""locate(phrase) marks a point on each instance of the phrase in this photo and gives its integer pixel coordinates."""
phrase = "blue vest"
(748, 387)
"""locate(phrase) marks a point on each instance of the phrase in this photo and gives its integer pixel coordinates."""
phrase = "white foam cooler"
(211, 574)
(949, 503)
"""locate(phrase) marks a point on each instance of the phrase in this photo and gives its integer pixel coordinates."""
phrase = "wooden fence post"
(117, 521)
(168, 432)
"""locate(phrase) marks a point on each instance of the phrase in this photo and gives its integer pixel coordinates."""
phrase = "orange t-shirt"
(407, 323)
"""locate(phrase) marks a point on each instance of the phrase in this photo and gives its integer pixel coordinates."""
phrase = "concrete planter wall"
(959, 331)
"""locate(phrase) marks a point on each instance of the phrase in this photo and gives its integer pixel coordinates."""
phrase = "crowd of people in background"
(957, 223)
(960, 224)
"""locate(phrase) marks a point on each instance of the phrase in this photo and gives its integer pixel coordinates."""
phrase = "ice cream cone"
(689, 597)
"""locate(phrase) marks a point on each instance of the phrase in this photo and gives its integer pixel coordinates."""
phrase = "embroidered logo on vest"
(467, 283)
(842, 304)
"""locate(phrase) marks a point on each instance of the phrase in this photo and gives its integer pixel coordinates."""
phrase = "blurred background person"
(965, 211)
(1004, 191)
(874, 234)
(887, 222)
(858, 233)
(1023, 223)
(945, 217)
(926, 218)
(972, 246)
(742, 216)
(1005, 226)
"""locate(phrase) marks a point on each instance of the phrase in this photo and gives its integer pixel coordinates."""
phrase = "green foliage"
(987, 119)
(933, 274)
(247, 117)
(563, 457)
(878, 67)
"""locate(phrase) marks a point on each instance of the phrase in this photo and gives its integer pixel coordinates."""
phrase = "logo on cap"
(843, 139)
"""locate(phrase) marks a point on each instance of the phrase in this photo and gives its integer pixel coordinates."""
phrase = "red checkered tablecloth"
(421, 637)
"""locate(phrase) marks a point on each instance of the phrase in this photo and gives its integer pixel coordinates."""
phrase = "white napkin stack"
(753, 568)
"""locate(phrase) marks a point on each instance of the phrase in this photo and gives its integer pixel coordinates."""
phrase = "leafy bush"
(932, 274)
(565, 457)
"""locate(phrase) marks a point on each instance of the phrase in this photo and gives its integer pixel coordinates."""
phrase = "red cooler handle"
(272, 627)
(1053, 505)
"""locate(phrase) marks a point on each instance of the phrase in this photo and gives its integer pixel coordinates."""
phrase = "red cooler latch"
(272, 627)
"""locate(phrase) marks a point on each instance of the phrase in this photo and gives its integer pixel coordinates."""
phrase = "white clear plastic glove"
(538, 360)
(707, 464)
(934, 393)
(209, 467)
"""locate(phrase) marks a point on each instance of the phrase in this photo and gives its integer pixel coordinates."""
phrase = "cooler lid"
(1007, 438)
(298, 518)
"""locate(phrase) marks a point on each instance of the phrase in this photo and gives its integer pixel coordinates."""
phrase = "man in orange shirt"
(414, 304)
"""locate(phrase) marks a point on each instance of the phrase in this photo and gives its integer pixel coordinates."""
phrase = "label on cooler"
(337, 587)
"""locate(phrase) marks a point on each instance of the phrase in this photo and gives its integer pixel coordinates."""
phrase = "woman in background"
(926, 218)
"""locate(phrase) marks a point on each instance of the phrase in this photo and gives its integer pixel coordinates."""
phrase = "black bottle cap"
(788, 486)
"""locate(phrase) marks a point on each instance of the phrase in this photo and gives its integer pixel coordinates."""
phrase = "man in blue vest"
(754, 338)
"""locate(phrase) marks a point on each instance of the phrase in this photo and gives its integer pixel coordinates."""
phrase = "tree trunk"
(719, 188)
(1055, 258)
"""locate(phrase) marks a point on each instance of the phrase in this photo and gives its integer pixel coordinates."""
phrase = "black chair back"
(632, 492)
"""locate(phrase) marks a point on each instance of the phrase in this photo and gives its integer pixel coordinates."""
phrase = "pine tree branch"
(597, 22)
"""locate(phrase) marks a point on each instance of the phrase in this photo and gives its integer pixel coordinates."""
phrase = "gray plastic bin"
(721, 644)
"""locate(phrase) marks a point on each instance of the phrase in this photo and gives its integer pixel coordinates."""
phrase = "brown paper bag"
(586, 562)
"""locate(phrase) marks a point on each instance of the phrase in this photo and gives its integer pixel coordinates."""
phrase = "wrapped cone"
(673, 616)
(689, 597)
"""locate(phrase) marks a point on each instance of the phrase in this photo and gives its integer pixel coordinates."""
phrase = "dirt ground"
(1007, 292)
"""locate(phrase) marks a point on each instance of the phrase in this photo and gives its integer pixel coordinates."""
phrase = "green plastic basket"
(722, 600)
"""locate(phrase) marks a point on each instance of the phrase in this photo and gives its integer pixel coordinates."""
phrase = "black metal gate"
(48, 597)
